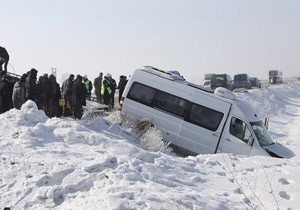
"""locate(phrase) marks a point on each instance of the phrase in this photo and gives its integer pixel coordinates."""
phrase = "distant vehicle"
(255, 82)
(241, 81)
(207, 79)
(275, 77)
(221, 80)
(195, 120)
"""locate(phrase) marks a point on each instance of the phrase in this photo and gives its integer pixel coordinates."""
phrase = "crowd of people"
(55, 100)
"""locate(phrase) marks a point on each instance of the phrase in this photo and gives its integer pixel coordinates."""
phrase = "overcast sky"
(117, 36)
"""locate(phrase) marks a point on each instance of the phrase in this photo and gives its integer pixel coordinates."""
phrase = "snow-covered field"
(95, 163)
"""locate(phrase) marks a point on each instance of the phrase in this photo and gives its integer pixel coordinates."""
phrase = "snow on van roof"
(175, 77)
(162, 73)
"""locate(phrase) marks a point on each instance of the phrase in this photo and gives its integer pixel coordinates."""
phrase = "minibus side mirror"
(266, 123)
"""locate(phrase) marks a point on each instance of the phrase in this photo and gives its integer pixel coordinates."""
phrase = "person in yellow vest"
(105, 89)
(89, 86)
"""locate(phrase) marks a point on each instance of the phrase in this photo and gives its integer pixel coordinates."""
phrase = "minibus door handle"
(227, 139)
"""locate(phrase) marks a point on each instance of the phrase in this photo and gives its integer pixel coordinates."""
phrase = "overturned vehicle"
(196, 120)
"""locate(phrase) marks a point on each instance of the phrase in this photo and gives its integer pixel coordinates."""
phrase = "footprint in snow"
(54, 179)
(108, 163)
(58, 196)
(285, 181)
(250, 169)
(285, 195)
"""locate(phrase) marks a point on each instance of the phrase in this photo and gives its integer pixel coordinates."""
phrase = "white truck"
(207, 79)
(196, 120)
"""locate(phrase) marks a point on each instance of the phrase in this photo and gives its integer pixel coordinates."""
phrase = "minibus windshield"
(261, 133)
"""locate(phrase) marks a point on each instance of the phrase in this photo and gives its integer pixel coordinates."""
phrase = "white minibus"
(195, 119)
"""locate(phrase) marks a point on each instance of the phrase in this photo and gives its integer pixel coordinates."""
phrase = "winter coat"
(79, 93)
(49, 88)
(68, 88)
(32, 91)
(18, 96)
(6, 90)
(113, 84)
(97, 84)
(88, 86)
(105, 87)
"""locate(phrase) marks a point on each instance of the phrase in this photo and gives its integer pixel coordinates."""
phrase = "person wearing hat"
(4, 58)
(32, 92)
(105, 89)
(18, 96)
(89, 86)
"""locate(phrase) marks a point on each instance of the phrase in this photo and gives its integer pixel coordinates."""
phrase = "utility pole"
(53, 71)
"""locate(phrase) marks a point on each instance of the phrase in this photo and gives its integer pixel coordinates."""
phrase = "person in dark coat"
(67, 90)
(6, 90)
(121, 85)
(113, 87)
(49, 88)
(57, 97)
(97, 86)
(41, 93)
(18, 96)
(78, 97)
(4, 58)
(31, 88)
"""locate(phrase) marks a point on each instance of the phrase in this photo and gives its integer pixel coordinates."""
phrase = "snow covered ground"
(96, 164)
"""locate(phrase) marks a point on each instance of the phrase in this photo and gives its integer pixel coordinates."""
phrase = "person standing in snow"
(78, 97)
(4, 58)
(49, 90)
(121, 85)
(89, 86)
(57, 97)
(97, 86)
(67, 89)
(6, 90)
(105, 89)
(31, 88)
(18, 96)
(113, 87)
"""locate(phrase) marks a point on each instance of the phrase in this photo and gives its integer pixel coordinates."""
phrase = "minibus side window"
(141, 93)
(204, 117)
(171, 103)
(239, 129)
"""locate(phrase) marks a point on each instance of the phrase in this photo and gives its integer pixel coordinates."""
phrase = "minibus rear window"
(204, 117)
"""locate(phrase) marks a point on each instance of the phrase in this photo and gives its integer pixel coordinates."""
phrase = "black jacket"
(79, 93)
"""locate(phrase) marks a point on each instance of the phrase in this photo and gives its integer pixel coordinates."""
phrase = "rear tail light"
(121, 103)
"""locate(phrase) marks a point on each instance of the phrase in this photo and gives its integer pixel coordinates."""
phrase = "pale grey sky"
(117, 36)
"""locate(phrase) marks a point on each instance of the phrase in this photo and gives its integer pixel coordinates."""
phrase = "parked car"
(255, 82)
(194, 119)
(241, 81)
(221, 80)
